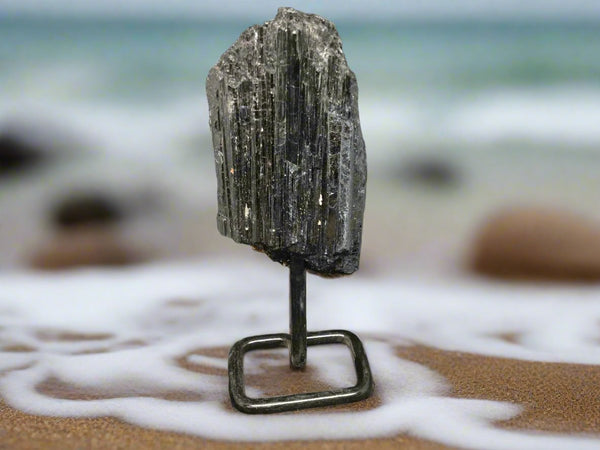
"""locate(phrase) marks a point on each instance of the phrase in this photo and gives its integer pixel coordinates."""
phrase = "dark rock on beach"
(17, 155)
(430, 171)
(543, 244)
(86, 209)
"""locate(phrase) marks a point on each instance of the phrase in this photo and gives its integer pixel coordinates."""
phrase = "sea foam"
(134, 324)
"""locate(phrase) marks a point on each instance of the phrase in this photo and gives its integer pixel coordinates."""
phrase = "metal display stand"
(297, 342)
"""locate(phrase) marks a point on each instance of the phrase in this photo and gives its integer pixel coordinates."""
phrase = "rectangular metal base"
(237, 391)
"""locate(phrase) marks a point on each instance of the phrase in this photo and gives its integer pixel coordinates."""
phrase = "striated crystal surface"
(289, 153)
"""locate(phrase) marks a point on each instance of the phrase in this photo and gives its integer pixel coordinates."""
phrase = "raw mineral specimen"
(289, 152)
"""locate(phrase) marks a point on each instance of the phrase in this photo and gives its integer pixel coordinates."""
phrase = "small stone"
(86, 209)
(290, 157)
(534, 243)
(430, 171)
(16, 155)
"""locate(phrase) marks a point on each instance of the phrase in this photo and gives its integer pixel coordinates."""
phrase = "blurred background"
(481, 121)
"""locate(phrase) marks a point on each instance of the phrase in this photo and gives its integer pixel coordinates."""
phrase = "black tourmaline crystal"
(289, 153)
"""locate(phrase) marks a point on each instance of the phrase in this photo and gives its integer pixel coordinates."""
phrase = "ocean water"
(423, 85)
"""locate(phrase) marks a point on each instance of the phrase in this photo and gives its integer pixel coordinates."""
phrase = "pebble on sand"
(433, 171)
(86, 209)
(84, 246)
(16, 155)
(536, 243)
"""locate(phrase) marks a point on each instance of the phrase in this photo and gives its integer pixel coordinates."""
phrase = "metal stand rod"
(297, 314)
(296, 342)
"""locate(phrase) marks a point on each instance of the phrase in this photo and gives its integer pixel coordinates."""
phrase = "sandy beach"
(556, 398)
(457, 364)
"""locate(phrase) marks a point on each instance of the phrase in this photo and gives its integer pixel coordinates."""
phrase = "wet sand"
(556, 397)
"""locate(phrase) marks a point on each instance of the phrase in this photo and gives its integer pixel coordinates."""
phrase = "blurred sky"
(373, 9)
